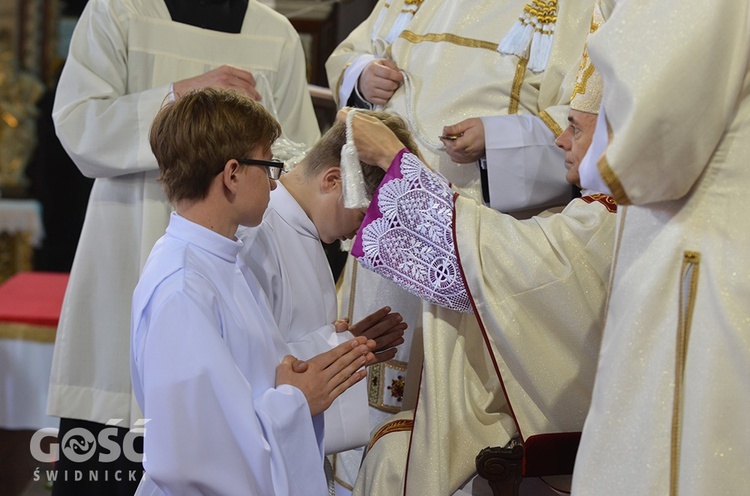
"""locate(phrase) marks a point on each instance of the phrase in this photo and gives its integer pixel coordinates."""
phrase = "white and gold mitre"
(587, 95)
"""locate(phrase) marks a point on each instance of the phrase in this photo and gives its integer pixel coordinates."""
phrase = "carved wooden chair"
(538, 456)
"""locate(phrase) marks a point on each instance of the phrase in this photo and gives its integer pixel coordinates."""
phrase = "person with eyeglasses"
(286, 256)
(230, 410)
(126, 59)
(484, 87)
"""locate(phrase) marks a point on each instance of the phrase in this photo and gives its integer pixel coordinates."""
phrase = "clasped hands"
(324, 377)
(384, 327)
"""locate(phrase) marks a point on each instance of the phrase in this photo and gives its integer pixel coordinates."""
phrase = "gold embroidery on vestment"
(400, 425)
(609, 176)
(580, 87)
(515, 93)
(551, 123)
(687, 293)
(412, 37)
(378, 390)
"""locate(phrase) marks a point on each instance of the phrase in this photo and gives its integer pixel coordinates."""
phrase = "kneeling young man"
(286, 256)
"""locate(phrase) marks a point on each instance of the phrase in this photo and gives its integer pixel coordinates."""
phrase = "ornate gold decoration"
(380, 389)
(532, 35)
(587, 94)
(687, 291)
(400, 425)
(609, 176)
(412, 37)
(515, 93)
(551, 123)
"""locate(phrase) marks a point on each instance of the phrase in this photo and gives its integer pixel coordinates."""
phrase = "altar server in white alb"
(669, 409)
(127, 57)
(225, 416)
(286, 256)
(465, 69)
(523, 364)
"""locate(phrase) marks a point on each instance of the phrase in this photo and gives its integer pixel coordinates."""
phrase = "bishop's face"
(575, 142)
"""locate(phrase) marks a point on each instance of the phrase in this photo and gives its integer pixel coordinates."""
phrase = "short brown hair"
(194, 136)
(327, 151)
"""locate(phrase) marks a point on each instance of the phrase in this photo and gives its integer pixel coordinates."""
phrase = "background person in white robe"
(286, 256)
(536, 287)
(225, 418)
(125, 57)
(436, 63)
(669, 409)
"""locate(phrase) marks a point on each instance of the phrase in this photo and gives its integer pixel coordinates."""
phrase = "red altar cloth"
(33, 298)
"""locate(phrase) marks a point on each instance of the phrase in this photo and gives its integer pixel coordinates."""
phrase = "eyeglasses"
(274, 167)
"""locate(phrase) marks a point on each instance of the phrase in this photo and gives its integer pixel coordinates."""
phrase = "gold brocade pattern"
(551, 123)
(412, 37)
(394, 426)
(515, 94)
(587, 69)
(385, 385)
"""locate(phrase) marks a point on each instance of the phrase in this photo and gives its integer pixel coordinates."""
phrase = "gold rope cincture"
(532, 34)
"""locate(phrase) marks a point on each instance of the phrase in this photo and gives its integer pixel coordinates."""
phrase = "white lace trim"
(412, 243)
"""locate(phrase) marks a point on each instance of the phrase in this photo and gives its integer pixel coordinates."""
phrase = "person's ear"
(230, 176)
(330, 180)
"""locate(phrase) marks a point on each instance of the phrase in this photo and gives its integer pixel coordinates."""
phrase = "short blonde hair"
(194, 136)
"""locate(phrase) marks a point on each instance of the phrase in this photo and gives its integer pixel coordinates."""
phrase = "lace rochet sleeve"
(407, 235)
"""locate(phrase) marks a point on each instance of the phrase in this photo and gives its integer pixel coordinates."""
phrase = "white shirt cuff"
(351, 76)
